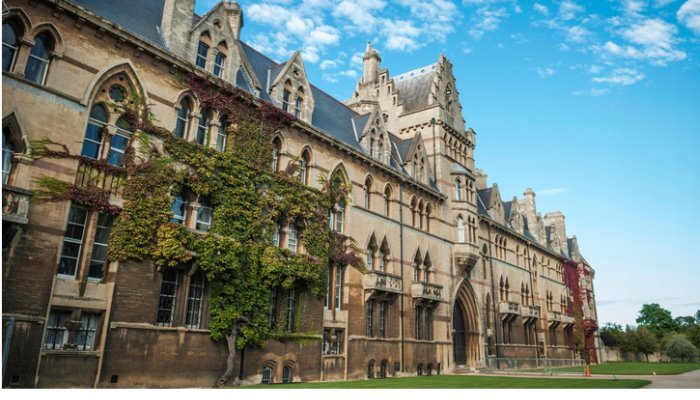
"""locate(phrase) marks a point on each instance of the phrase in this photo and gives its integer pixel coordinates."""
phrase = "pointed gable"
(373, 136)
(290, 88)
(495, 205)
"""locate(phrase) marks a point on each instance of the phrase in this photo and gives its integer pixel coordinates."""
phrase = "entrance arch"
(465, 327)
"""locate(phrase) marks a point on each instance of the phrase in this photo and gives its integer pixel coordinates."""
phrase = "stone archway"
(465, 327)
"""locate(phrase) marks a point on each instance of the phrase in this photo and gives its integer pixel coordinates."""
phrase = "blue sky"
(595, 105)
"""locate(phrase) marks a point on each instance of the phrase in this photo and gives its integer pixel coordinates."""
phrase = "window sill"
(147, 326)
(65, 352)
(342, 355)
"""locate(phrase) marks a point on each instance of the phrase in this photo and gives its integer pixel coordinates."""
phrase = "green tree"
(697, 317)
(611, 334)
(646, 341)
(680, 348)
(693, 335)
(656, 319)
(684, 322)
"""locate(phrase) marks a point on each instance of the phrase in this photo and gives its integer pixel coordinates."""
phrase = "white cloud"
(359, 13)
(654, 40)
(594, 92)
(540, 8)
(324, 35)
(621, 76)
(401, 35)
(577, 34)
(689, 15)
(545, 72)
(268, 14)
(328, 64)
(486, 20)
(568, 10)
(633, 7)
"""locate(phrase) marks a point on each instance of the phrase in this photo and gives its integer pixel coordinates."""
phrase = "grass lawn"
(635, 368)
(466, 382)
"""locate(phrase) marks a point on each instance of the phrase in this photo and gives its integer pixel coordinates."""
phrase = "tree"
(656, 319)
(646, 342)
(611, 334)
(697, 317)
(685, 322)
(680, 347)
(693, 335)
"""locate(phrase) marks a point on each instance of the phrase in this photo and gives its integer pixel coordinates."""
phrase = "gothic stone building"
(458, 278)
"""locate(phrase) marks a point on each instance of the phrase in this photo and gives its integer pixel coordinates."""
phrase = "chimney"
(481, 179)
(175, 25)
(235, 17)
(556, 220)
(371, 61)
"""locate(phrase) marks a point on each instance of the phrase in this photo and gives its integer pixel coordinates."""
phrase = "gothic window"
(460, 229)
(287, 374)
(276, 235)
(120, 140)
(117, 93)
(472, 229)
(182, 124)
(427, 265)
(195, 297)
(381, 319)
(368, 192)
(276, 154)
(381, 259)
(382, 368)
(222, 133)
(166, 301)
(203, 126)
(299, 102)
(10, 44)
(417, 262)
(9, 148)
(428, 326)
(369, 317)
(458, 189)
(204, 214)
(286, 94)
(387, 201)
(338, 216)
(413, 212)
(304, 161)
(420, 214)
(418, 317)
(266, 376)
(502, 295)
(73, 240)
(178, 209)
(292, 238)
(97, 122)
(428, 215)
(38, 62)
(380, 148)
(220, 60)
(370, 255)
(202, 52)
(370, 370)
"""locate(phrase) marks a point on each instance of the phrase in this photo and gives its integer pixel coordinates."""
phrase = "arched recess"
(465, 327)
(124, 67)
(14, 121)
(58, 44)
(19, 14)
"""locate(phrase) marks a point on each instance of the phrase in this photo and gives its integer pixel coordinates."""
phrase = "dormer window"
(299, 103)
(202, 52)
(38, 62)
(203, 127)
(182, 124)
(220, 59)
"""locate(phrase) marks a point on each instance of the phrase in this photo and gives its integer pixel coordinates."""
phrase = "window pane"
(35, 69)
(93, 141)
(85, 339)
(178, 208)
(56, 334)
(194, 302)
(166, 302)
(117, 148)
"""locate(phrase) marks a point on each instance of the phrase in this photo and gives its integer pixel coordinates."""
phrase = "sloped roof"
(414, 91)
(507, 206)
(141, 18)
(482, 197)
(242, 82)
(403, 146)
(359, 123)
(459, 168)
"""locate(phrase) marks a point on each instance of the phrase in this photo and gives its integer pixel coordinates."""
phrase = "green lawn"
(635, 368)
(467, 382)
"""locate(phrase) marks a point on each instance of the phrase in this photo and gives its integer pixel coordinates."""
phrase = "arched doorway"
(465, 327)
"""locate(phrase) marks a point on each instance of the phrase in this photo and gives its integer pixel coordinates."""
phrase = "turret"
(371, 61)
(176, 23)
(235, 17)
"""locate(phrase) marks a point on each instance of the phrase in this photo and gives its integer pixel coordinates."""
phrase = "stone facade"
(458, 279)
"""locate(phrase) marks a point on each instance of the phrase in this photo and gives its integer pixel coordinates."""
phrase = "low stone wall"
(609, 354)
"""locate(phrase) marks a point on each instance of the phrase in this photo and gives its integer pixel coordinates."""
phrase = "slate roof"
(482, 194)
(140, 17)
(507, 207)
(459, 168)
(403, 146)
(359, 123)
(414, 87)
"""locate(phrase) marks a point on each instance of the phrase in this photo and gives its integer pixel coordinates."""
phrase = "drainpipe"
(403, 335)
(495, 314)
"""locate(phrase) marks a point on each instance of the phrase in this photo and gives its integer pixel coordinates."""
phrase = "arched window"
(413, 212)
(420, 214)
(266, 376)
(203, 51)
(417, 262)
(7, 151)
(428, 212)
(203, 126)
(460, 229)
(382, 368)
(182, 124)
(299, 103)
(287, 374)
(276, 234)
(220, 60)
(387, 201)
(10, 43)
(380, 148)
(120, 140)
(383, 257)
(222, 133)
(276, 153)
(293, 238)
(97, 122)
(38, 62)
(370, 370)
(370, 255)
(458, 189)
(368, 192)
(286, 93)
(304, 167)
(427, 267)
(178, 209)
(204, 214)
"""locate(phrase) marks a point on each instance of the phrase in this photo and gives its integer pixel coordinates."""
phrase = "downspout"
(495, 314)
(403, 335)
